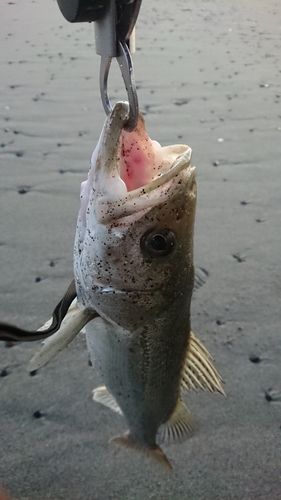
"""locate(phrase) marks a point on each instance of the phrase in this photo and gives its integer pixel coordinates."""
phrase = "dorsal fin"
(199, 371)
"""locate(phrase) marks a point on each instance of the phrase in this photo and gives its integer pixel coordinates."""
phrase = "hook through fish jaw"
(126, 66)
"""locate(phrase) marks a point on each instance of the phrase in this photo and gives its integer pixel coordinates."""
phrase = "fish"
(134, 277)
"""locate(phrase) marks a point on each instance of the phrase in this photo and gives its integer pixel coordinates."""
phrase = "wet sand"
(208, 75)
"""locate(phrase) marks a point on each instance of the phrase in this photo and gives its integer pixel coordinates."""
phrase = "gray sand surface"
(208, 75)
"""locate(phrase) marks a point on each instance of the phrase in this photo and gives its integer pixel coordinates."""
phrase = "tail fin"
(127, 441)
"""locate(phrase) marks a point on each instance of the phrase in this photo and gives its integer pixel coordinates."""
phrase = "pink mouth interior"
(140, 158)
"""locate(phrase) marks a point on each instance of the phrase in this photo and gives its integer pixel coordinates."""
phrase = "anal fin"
(101, 395)
(180, 426)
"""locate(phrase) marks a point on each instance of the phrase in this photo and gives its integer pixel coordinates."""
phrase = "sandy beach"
(208, 75)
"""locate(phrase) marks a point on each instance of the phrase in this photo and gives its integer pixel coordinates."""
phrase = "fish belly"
(141, 370)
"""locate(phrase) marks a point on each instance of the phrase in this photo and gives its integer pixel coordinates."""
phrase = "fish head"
(134, 238)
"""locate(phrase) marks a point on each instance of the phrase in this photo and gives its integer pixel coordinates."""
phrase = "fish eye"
(158, 243)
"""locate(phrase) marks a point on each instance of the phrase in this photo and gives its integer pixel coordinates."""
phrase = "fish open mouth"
(133, 173)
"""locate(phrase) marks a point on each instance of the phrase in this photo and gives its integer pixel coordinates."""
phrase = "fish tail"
(127, 441)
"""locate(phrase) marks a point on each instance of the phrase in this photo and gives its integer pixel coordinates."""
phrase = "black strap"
(13, 333)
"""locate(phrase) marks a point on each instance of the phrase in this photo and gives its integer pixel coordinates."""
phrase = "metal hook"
(126, 67)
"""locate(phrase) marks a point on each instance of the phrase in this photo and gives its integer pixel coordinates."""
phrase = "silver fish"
(134, 274)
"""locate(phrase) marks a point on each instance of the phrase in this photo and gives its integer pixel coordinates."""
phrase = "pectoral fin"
(101, 395)
(199, 371)
(71, 325)
(178, 428)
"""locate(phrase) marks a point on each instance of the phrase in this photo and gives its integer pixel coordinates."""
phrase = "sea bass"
(134, 275)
